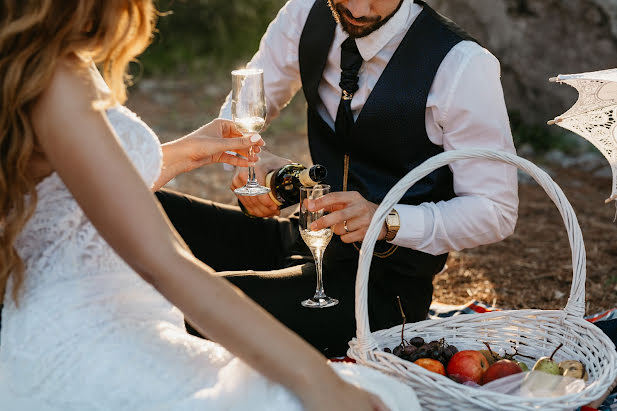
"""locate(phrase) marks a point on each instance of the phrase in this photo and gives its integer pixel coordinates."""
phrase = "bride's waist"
(109, 299)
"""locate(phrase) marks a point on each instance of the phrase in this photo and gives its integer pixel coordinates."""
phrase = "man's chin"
(358, 31)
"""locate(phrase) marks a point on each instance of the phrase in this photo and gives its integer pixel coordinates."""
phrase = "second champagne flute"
(317, 241)
(248, 111)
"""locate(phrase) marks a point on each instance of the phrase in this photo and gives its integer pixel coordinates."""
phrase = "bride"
(95, 281)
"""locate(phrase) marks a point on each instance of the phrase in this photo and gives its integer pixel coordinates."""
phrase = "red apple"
(431, 365)
(467, 365)
(501, 368)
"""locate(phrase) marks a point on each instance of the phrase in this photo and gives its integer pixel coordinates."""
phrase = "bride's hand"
(207, 145)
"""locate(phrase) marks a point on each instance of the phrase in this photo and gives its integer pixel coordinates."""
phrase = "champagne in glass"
(317, 241)
(248, 111)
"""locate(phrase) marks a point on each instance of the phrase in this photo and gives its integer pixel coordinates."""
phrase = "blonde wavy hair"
(34, 35)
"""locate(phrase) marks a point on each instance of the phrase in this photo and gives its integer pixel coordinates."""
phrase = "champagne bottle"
(285, 182)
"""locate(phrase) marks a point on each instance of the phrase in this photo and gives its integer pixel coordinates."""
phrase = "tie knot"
(351, 60)
(350, 45)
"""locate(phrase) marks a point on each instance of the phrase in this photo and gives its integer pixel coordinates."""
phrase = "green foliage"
(197, 34)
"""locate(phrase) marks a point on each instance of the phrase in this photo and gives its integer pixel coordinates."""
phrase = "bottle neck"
(305, 178)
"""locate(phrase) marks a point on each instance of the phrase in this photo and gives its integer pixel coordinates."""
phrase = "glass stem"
(318, 256)
(252, 178)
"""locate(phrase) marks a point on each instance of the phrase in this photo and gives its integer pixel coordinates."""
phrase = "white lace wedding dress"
(90, 334)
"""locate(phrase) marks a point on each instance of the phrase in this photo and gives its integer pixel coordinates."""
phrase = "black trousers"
(267, 260)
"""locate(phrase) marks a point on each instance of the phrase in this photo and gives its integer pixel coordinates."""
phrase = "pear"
(547, 364)
(523, 366)
(574, 369)
(491, 356)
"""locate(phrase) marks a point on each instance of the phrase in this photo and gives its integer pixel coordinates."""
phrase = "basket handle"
(576, 301)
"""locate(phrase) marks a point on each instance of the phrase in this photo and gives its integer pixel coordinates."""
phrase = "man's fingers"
(256, 209)
(352, 224)
(332, 200)
(337, 217)
(353, 237)
(259, 206)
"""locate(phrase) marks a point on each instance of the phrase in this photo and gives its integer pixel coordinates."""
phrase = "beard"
(369, 24)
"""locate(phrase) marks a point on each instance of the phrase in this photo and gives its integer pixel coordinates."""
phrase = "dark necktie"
(351, 60)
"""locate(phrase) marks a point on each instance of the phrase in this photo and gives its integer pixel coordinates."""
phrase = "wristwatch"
(393, 223)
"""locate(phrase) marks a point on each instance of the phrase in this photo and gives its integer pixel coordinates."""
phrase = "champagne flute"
(248, 111)
(317, 241)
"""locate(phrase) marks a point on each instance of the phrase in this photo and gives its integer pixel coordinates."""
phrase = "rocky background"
(536, 40)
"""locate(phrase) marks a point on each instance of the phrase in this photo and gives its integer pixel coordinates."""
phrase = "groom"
(388, 84)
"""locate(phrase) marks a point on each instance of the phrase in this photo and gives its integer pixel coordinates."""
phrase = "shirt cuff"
(411, 233)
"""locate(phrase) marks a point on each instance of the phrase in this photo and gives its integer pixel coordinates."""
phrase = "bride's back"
(35, 37)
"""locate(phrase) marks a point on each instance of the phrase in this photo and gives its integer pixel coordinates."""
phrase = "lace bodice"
(69, 265)
(58, 214)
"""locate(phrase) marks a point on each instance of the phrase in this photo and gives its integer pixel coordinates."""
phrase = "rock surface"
(538, 39)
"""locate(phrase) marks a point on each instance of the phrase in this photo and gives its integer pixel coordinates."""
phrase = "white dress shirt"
(465, 109)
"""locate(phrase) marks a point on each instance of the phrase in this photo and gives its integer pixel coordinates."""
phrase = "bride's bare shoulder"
(71, 90)
(72, 78)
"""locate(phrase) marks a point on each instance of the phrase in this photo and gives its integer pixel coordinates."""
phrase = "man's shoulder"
(467, 50)
(296, 11)
(299, 6)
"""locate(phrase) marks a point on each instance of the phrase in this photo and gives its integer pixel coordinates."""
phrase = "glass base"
(320, 302)
(252, 189)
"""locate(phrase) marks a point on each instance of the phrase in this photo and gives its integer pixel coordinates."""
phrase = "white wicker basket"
(535, 332)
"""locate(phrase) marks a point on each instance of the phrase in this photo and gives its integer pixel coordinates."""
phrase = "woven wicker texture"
(533, 332)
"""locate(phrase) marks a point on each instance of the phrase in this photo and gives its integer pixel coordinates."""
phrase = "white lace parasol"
(594, 114)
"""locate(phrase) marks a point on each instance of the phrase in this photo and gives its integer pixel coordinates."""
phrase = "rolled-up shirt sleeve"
(466, 110)
(278, 57)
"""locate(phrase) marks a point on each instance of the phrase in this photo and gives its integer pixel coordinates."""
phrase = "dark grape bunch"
(417, 348)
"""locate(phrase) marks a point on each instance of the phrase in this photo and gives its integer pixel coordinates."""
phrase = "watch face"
(392, 221)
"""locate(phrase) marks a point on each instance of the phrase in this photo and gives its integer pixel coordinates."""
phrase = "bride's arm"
(83, 149)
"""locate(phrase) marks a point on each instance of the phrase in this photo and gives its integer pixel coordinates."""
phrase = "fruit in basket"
(416, 341)
(467, 365)
(573, 369)
(491, 356)
(523, 366)
(500, 369)
(409, 350)
(423, 351)
(398, 350)
(547, 364)
(508, 356)
(431, 365)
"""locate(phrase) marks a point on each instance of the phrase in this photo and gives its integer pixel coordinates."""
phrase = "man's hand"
(350, 215)
(259, 206)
